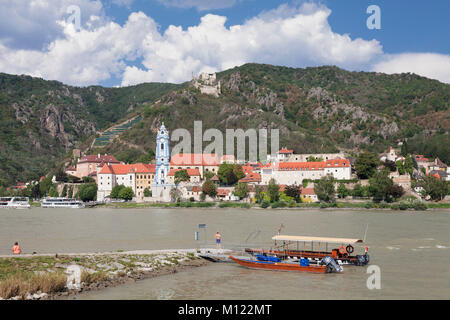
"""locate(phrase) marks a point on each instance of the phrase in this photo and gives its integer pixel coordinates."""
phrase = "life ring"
(342, 250)
(350, 249)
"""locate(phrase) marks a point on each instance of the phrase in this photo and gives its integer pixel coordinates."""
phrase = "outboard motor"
(362, 260)
(332, 265)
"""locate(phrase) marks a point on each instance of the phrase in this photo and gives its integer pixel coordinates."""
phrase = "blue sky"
(126, 42)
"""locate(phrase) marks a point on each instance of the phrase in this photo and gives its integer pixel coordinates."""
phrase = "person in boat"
(218, 238)
(16, 248)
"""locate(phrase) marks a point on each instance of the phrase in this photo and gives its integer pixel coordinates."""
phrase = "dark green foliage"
(181, 175)
(209, 188)
(126, 193)
(241, 190)
(273, 191)
(293, 191)
(324, 189)
(87, 192)
(366, 164)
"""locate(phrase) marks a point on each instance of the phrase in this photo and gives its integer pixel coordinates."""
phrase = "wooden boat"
(342, 255)
(281, 266)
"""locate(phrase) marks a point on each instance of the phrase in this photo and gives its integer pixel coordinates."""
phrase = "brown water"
(411, 249)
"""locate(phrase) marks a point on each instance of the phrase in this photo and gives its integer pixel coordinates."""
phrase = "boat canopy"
(314, 239)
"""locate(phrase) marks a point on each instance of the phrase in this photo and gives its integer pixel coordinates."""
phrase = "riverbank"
(280, 205)
(50, 276)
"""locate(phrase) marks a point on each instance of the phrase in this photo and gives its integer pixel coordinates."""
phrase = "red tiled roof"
(285, 150)
(191, 159)
(251, 177)
(308, 192)
(71, 168)
(127, 168)
(296, 166)
(98, 159)
(247, 169)
(420, 158)
(223, 192)
(196, 189)
(191, 172)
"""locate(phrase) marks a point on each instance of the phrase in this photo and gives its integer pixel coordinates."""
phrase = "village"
(283, 180)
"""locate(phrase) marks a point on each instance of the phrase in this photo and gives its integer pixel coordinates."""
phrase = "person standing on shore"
(16, 248)
(218, 238)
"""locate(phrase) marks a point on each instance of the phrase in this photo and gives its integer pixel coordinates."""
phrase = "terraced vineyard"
(108, 136)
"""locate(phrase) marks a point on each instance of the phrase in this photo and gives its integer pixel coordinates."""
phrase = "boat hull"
(268, 265)
(349, 260)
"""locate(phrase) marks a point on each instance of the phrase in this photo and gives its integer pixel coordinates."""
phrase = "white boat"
(62, 203)
(14, 203)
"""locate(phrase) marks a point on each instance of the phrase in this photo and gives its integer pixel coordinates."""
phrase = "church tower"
(162, 156)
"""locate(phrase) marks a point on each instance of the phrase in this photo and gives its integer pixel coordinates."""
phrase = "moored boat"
(341, 255)
(277, 264)
(15, 202)
(62, 203)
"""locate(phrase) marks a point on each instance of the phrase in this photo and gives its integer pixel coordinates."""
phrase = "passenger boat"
(274, 263)
(342, 254)
(15, 202)
(62, 203)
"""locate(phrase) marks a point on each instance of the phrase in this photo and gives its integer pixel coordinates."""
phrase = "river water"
(411, 249)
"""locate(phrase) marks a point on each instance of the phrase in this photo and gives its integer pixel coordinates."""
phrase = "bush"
(418, 205)
(279, 204)
(265, 204)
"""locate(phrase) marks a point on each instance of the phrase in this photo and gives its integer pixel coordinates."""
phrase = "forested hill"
(316, 109)
(40, 121)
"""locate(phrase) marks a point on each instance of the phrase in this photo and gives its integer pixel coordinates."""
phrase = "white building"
(289, 173)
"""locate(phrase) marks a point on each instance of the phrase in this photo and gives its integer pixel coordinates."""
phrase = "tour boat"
(275, 263)
(341, 255)
(15, 202)
(62, 203)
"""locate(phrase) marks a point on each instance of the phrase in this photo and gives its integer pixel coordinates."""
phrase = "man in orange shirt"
(218, 237)
(16, 249)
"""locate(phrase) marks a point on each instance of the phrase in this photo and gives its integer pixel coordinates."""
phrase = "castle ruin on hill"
(207, 83)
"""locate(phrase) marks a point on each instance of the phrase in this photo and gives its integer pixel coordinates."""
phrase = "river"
(410, 248)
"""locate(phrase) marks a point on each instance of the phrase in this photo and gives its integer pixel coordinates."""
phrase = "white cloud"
(296, 37)
(285, 36)
(201, 5)
(85, 57)
(32, 24)
(430, 65)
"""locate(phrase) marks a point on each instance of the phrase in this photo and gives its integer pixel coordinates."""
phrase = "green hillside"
(320, 109)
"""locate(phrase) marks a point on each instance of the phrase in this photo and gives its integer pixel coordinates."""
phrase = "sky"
(128, 42)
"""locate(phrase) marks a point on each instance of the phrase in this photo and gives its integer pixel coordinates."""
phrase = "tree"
(147, 192)
(324, 189)
(175, 194)
(241, 190)
(436, 188)
(61, 176)
(115, 191)
(70, 193)
(230, 173)
(366, 164)
(64, 191)
(36, 192)
(273, 191)
(126, 193)
(390, 165)
(52, 192)
(293, 191)
(342, 191)
(181, 175)
(409, 165)
(396, 191)
(209, 188)
(259, 194)
(88, 192)
(380, 184)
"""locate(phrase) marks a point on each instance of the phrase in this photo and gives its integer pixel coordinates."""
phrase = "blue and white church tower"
(160, 187)
(162, 156)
